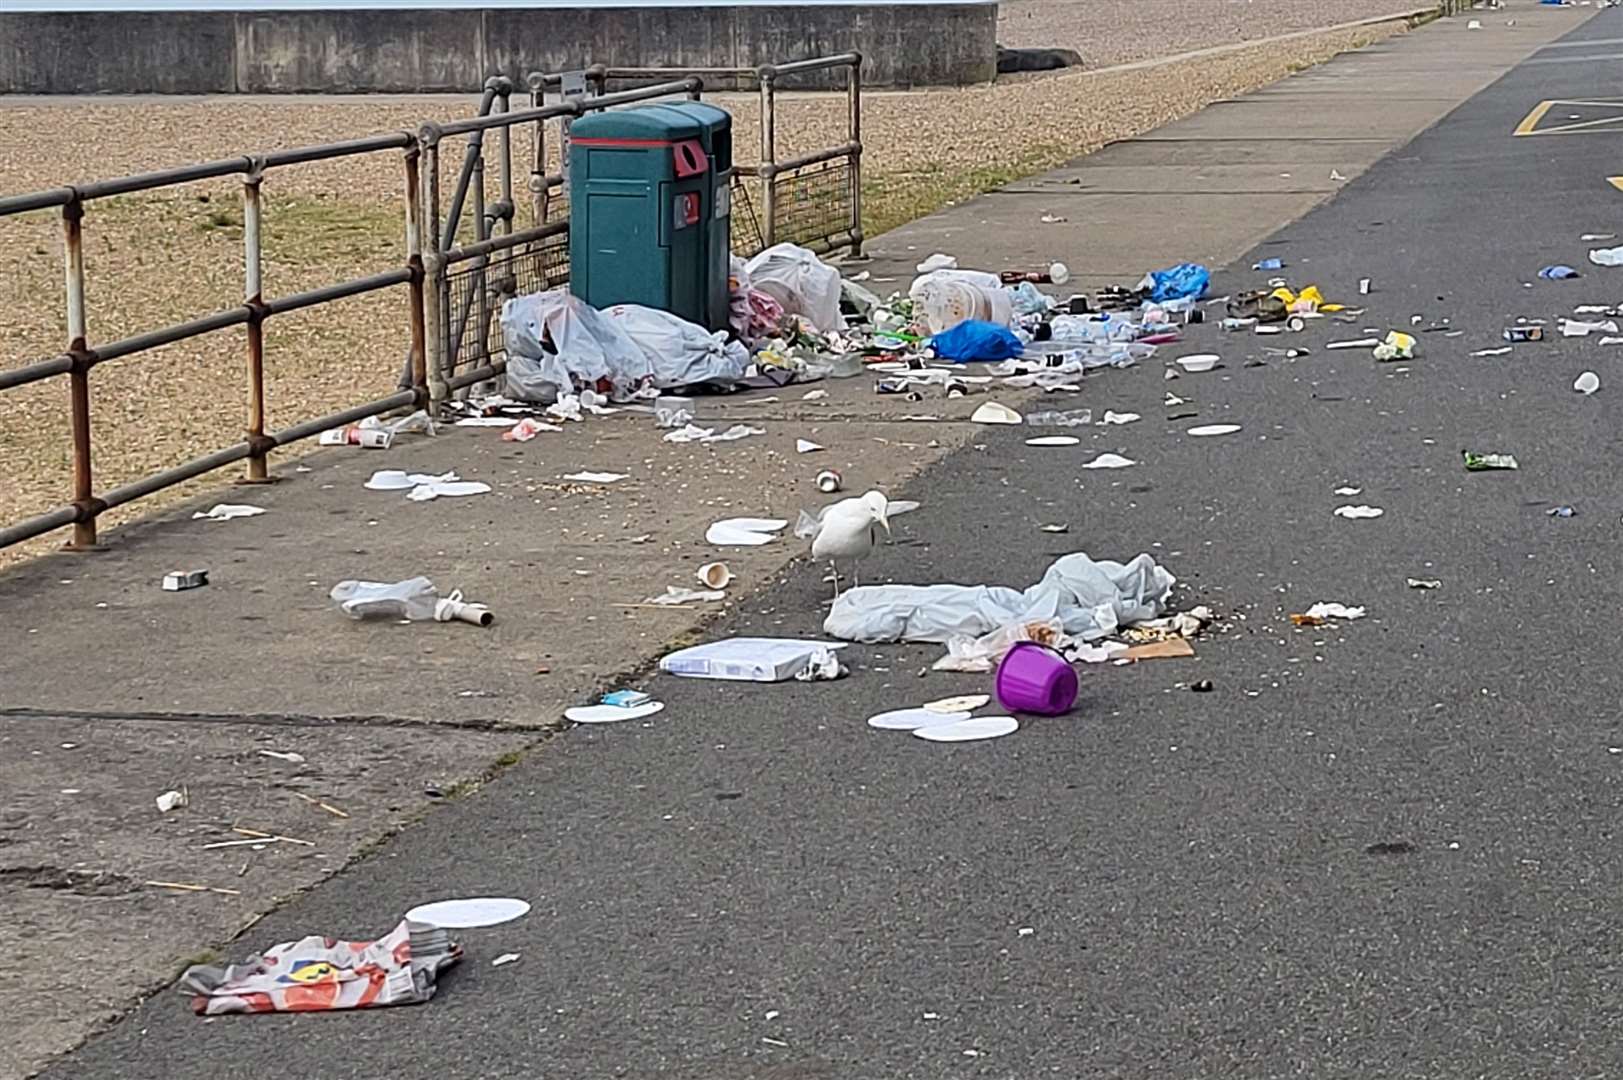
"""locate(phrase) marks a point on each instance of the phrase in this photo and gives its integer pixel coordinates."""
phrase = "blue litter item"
(1177, 282)
(971, 342)
(1558, 273)
(1270, 264)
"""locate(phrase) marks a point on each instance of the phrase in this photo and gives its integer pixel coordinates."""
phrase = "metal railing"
(460, 265)
(81, 357)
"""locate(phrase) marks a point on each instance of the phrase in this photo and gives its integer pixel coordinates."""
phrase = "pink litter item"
(319, 974)
(527, 429)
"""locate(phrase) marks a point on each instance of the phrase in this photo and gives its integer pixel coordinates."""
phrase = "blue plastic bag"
(971, 342)
(1558, 273)
(1177, 282)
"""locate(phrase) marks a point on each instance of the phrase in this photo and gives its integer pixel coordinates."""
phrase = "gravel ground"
(1109, 32)
(157, 257)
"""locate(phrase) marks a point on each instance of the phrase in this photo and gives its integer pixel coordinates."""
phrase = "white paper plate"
(909, 719)
(471, 913)
(1109, 461)
(612, 714)
(1213, 429)
(979, 727)
(964, 703)
(1053, 440)
(1199, 362)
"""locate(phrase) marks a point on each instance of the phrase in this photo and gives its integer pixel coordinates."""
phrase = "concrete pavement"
(1192, 866)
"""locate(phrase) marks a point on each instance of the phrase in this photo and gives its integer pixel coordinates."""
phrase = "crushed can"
(1524, 333)
(828, 481)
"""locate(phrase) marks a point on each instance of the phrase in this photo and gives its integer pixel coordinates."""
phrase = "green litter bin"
(649, 205)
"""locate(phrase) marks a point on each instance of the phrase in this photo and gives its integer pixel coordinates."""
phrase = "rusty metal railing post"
(84, 496)
(414, 263)
(769, 157)
(504, 161)
(538, 166)
(855, 131)
(254, 299)
(439, 392)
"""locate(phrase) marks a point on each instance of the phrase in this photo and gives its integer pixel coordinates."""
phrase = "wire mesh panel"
(812, 205)
(476, 294)
(745, 227)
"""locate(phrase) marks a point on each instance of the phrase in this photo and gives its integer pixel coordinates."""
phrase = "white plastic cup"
(714, 575)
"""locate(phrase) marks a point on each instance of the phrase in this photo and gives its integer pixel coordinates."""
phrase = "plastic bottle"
(1061, 418)
(413, 598)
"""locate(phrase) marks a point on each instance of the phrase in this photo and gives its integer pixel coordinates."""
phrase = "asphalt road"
(756, 885)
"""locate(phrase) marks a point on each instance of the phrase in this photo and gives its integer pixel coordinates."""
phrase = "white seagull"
(849, 529)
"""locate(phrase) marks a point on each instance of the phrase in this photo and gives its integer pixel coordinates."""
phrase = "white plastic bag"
(801, 282)
(587, 347)
(679, 353)
(1090, 600)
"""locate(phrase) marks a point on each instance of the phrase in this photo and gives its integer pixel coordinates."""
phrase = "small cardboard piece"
(1170, 649)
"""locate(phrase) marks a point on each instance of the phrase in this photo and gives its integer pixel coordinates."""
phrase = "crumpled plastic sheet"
(557, 343)
(319, 974)
(1089, 599)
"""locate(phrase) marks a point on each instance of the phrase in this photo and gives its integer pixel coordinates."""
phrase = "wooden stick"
(181, 885)
(331, 809)
(272, 836)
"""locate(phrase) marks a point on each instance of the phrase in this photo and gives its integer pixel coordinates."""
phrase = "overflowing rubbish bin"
(650, 209)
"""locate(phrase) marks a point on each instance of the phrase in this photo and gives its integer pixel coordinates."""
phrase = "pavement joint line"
(1221, 50)
(1080, 190)
(265, 719)
(1257, 138)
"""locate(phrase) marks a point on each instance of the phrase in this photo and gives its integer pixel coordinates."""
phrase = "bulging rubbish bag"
(1177, 282)
(557, 343)
(971, 342)
(801, 282)
(1090, 599)
(680, 353)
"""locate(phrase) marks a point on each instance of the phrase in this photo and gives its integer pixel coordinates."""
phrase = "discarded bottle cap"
(1059, 273)
(1296, 324)
(828, 481)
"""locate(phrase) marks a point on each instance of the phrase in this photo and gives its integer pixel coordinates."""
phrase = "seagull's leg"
(856, 582)
(834, 566)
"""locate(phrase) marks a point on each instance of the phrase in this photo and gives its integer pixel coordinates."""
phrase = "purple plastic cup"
(1035, 679)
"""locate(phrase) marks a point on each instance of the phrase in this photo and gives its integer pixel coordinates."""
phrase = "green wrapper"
(1484, 462)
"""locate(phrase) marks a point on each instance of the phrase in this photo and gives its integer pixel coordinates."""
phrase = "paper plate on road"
(1213, 429)
(910, 719)
(612, 714)
(979, 727)
(471, 913)
(1053, 440)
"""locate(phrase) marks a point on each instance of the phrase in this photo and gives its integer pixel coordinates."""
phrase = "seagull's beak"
(885, 521)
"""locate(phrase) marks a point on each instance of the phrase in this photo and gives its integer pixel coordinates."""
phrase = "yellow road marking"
(1530, 123)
